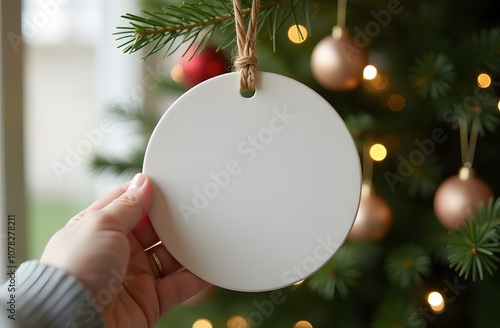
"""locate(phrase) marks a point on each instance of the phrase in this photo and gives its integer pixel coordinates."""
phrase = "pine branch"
(483, 51)
(340, 273)
(485, 113)
(473, 248)
(191, 21)
(360, 123)
(147, 122)
(203, 22)
(425, 178)
(407, 264)
(432, 75)
(118, 166)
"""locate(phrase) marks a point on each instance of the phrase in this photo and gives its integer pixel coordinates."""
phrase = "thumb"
(125, 212)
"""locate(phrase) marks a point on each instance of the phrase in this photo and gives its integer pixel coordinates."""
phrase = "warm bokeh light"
(299, 282)
(483, 80)
(435, 298)
(202, 323)
(237, 322)
(379, 82)
(436, 302)
(176, 73)
(378, 152)
(396, 102)
(498, 105)
(295, 36)
(302, 324)
(370, 72)
(437, 308)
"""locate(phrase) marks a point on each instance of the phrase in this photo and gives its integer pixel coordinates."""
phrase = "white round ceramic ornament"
(252, 194)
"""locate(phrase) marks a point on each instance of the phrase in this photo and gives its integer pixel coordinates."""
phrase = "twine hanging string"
(246, 61)
(338, 29)
(341, 13)
(468, 144)
(367, 163)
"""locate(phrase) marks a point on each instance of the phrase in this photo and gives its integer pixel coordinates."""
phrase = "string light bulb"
(302, 324)
(370, 72)
(483, 80)
(297, 33)
(202, 323)
(436, 302)
(378, 152)
(237, 322)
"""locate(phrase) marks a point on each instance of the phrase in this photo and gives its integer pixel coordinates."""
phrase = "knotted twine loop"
(246, 61)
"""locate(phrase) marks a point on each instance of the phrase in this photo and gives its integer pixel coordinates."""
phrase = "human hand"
(103, 247)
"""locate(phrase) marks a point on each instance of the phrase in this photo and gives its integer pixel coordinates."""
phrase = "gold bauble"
(374, 217)
(457, 198)
(337, 63)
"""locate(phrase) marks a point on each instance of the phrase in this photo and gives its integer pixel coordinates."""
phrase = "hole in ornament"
(247, 93)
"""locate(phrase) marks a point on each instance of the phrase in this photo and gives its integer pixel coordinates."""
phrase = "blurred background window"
(73, 73)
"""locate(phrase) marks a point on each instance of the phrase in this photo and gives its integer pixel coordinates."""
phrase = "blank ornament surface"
(252, 194)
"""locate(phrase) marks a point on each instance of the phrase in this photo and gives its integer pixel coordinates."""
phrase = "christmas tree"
(425, 108)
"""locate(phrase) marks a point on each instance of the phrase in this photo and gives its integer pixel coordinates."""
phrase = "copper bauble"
(201, 67)
(374, 217)
(457, 197)
(337, 63)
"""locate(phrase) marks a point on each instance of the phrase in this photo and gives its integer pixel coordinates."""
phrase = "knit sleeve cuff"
(49, 297)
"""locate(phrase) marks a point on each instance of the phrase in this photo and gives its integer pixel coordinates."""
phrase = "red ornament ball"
(374, 217)
(337, 63)
(202, 66)
(457, 198)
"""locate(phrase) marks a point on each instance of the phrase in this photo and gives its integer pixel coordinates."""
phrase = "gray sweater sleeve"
(42, 296)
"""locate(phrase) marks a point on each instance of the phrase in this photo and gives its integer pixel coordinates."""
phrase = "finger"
(109, 197)
(162, 262)
(177, 288)
(101, 202)
(125, 212)
(145, 233)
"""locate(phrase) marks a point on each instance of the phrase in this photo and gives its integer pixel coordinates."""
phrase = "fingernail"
(137, 181)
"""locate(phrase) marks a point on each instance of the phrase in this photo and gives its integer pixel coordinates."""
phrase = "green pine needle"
(337, 275)
(432, 75)
(146, 121)
(118, 166)
(484, 49)
(424, 179)
(194, 21)
(360, 123)
(485, 112)
(407, 265)
(480, 108)
(473, 248)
